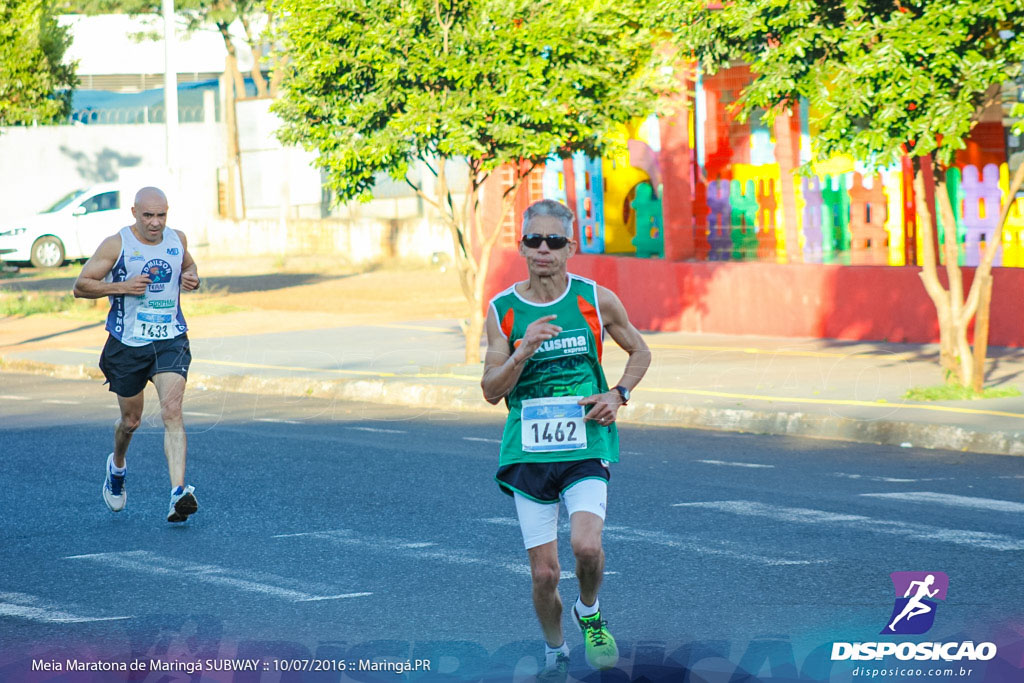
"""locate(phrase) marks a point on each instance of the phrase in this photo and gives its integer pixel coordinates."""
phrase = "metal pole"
(170, 87)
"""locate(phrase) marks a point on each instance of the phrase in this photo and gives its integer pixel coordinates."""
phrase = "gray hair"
(549, 207)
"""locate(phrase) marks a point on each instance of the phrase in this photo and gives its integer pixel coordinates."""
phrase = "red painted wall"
(869, 303)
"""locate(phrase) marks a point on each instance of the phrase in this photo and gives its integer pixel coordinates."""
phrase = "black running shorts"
(128, 368)
(545, 481)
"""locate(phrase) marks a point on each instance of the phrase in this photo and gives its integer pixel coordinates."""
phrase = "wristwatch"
(624, 393)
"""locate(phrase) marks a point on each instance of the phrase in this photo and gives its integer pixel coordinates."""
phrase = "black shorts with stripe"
(544, 482)
(128, 368)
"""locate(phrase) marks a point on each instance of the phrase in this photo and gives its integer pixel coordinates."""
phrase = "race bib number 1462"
(553, 424)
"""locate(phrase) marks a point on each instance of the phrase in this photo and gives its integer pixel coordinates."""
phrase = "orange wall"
(870, 303)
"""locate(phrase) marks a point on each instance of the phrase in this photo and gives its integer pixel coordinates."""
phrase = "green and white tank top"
(544, 423)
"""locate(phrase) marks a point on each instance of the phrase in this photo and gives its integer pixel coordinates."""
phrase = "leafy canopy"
(877, 73)
(375, 84)
(35, 84)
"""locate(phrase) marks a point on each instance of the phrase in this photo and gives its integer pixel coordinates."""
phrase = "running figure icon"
(915, 606)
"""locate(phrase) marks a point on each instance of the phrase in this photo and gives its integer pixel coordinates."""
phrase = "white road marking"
(151, 563)
(735, 464)
(379, 431)
(951, 500)
(10, 397)
(476, 438)
(277, 420)
(866, 477)
(717, 548)
(919, 532)
(32, 608)
(193, 413)
(60, 402)
(416, 549)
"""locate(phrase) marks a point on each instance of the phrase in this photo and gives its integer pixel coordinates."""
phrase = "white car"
(70, 230)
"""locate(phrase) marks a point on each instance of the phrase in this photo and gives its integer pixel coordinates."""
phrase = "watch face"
(624, 391)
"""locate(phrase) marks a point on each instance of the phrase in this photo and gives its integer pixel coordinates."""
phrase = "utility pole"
(170, 88)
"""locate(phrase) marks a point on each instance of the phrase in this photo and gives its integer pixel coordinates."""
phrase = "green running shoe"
(602, 652)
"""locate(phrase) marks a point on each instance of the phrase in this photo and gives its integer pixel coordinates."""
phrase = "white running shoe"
(183, 504)
(114, 493)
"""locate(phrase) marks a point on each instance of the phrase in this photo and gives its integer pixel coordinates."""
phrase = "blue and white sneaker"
(183, 504)
(114, 493)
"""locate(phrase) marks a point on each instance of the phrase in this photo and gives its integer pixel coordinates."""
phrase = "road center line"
(919, 532)
(716, 548)
(377, 430)
(416, 549)
(151, 563)
(735, 464)
(33, 608)
(951, 500)
(9, 397)
(481, 440)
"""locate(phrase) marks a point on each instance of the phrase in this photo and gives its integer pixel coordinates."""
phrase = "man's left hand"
(605, 407)
(189, 281)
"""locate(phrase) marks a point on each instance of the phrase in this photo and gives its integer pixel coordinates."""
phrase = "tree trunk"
(980, 296)
(257, 57)
(959, 316)
(474, 332)
(981, 330)
(929, 269)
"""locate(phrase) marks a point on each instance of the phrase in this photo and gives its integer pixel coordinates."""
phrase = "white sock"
(119, 471)
(551, 653)
(584, 610)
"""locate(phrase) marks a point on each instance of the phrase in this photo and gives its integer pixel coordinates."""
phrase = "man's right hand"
(537, 332)
(137, 285)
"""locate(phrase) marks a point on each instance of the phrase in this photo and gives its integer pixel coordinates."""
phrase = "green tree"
(461, 88)
(883, 79)
(35, 83)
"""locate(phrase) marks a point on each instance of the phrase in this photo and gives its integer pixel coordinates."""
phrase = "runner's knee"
(587, 549)
(129, 422)
(545, 575)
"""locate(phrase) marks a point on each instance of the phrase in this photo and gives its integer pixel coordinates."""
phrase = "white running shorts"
(539, 521)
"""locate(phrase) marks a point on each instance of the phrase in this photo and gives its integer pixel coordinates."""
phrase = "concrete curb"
(450, 397)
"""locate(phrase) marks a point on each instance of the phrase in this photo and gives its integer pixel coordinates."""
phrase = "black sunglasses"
(533, 240)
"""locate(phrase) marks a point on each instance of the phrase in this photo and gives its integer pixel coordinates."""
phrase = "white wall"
(39, 164)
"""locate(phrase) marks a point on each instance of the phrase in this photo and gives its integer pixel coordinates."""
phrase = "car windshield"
(65, 200)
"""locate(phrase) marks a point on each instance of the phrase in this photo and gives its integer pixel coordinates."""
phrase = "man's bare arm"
(189, 270)
(90, 284)
(616, 321)
(605, 406)
(503, 369)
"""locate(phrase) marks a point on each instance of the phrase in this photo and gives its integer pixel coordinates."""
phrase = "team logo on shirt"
(567, 343)
(159, 273)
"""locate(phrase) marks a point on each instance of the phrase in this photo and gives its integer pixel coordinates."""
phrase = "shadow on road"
(234, 284)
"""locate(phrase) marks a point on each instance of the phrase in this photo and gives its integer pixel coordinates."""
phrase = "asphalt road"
(340, 531)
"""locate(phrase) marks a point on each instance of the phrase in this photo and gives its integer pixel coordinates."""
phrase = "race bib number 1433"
(553, 424)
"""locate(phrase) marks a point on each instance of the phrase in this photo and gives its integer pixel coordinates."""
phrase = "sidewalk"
(802, 387)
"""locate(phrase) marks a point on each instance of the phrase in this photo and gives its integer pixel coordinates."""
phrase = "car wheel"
(47, 252)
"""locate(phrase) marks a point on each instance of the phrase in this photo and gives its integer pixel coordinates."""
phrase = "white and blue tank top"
(156, 315)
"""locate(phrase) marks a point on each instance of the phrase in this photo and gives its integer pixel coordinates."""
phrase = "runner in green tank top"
(545, 339)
